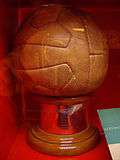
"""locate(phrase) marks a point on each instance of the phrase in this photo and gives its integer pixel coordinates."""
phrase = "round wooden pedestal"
(63, 145)
(64, 128)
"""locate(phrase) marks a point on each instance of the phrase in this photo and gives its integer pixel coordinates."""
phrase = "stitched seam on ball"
(39, 44)
(52, 67)
(49, 66)
(51, 45)
(99, 53)
(65, 27)
(87, 40)
(37, 29)
(68, 32)
(46, 23)
(57, 20)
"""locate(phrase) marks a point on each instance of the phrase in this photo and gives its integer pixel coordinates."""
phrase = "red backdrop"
(107, 16)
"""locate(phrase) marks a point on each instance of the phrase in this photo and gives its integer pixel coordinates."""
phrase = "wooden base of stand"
(63, 145)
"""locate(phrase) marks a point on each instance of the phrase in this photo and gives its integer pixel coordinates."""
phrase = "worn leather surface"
(60, 53)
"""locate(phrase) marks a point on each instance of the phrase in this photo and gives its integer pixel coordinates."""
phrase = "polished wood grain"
(68, 145)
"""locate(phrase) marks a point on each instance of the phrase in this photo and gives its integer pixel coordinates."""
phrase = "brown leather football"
(60, 53)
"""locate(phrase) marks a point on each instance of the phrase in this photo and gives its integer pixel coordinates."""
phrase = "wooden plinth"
(63, 145)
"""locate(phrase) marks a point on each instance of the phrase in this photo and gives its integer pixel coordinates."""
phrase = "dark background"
(115, 3)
